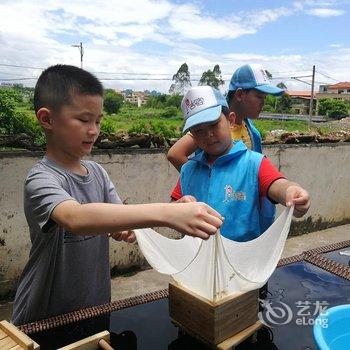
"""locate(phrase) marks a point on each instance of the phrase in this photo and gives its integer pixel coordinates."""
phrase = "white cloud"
(38, 34)
(191, 23)
(325, 12)
(188, 21)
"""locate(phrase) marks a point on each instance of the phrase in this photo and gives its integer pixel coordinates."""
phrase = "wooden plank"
(232, 342)
(7, 343)
(17, 347)
(2, 334)
(19, 337)
(89, 343)
(104, 345)
(212, 321)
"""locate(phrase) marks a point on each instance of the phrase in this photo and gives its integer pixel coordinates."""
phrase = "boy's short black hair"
(57, 85)
(225, 111)
(229, 96)
(231, 93)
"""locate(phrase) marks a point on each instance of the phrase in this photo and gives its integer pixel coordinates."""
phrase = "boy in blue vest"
(249, 85)
(227, 175)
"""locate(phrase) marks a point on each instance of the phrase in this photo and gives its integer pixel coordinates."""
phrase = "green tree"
(173, 100)
(156, 101)
(333, 108)
(284, 104)
(112, 101)
(212, 77)
(270, 104)
(181, 81)
(7, 111)
(13, 122)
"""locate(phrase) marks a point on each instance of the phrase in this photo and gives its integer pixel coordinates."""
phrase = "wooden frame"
(215, 322)
(11, 338)
(97, 341)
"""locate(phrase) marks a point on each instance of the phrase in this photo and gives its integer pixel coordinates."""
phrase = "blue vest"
(268, 209)
(230, 186)
(254, 134)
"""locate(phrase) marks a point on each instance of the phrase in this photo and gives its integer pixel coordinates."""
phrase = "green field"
(168, 122)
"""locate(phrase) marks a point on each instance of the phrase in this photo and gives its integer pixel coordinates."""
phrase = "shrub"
(333, 108)
(169, 112)
(140, 127)
(112, 101)
(107, 126)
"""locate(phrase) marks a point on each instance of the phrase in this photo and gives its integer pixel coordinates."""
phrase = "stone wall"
(142, 176)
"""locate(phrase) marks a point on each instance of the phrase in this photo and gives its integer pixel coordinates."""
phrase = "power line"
(327, 76)
(18, 79)
(17, 66)
(106, 79)
(98, 72)
(15, 74)
(290, 72)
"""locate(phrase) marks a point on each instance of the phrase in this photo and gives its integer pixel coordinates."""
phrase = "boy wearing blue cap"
(248, 88)
(226, 174)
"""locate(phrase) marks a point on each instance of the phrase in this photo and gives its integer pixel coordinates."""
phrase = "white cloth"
(217, 267)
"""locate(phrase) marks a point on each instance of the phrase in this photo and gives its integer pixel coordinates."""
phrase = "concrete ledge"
(144, 175)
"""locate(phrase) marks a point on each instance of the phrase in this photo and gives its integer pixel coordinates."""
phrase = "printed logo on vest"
(231, 195)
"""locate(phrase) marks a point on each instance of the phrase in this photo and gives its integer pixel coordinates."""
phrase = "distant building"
(300, 101)
(10, 85)
(138, 98)
(339, 91)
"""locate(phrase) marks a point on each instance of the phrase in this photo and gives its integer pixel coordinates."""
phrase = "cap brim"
(269, 89)
(206, 116)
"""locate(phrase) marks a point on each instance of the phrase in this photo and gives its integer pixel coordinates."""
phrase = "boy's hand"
(186, 199)
(300, 198)
(194, 219)
(126, 236)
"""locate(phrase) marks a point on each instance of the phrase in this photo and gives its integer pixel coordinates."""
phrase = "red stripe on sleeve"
(176, 193)
(268, 174)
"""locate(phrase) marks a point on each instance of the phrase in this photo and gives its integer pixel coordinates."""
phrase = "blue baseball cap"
(253, 77)
(202, 104)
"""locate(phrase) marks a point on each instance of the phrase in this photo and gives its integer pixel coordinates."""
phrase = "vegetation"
(212, 77)
(14, 118)
(160, 116)
(112, 101)
(333, 108)
(181, 80)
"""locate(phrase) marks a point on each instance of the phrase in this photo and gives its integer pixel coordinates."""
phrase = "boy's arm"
(288, 193)
(194, 219)
(178, 154)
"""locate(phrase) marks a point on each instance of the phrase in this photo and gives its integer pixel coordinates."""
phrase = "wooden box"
(212, 322)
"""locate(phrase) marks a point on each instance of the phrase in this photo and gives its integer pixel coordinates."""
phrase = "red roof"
(302, 94)
(341, 85)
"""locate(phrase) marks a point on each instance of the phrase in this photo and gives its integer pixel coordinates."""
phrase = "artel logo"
(190, 105)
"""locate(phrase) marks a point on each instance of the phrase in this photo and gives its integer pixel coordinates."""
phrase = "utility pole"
(81, 50)
(312, 95)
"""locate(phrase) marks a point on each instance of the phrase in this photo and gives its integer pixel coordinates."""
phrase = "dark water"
(296, 293)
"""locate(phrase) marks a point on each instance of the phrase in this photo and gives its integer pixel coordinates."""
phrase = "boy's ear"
(238, 94)
(232, 118)
(44, 116)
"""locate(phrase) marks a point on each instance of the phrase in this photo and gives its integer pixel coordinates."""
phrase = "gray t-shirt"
(65, 271)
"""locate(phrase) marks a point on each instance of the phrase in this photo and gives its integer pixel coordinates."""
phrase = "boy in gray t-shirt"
(71, 205)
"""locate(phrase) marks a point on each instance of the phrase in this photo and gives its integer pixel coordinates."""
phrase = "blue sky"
(142, 43)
